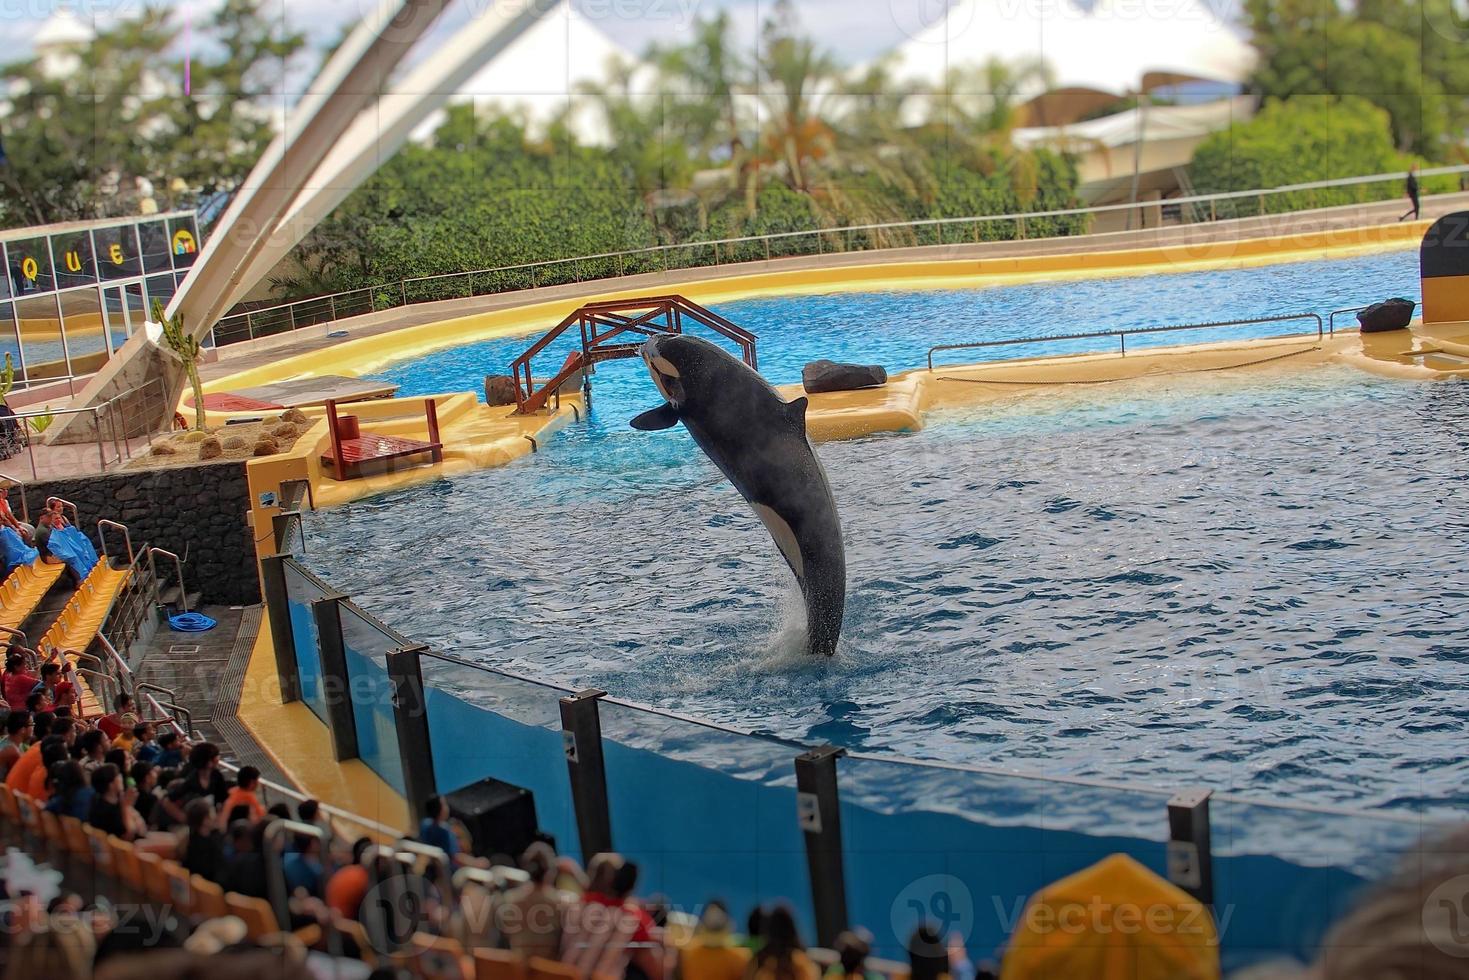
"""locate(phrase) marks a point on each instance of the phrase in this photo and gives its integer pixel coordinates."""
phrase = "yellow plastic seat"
(24, 589)
(180, 887)
(125, 866)
(155, 882)
(431, 957)
(256, 913)
(209, 900)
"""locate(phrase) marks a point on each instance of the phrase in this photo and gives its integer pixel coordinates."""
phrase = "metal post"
(282, 638)
(1190, 858)
(581, 735)
(336, 682)
(281, 528)
(819, 812)
(410, 711)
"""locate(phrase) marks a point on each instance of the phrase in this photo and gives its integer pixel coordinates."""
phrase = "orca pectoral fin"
(665, 416)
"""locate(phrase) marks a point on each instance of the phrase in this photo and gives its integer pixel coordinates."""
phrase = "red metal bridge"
(603, 323)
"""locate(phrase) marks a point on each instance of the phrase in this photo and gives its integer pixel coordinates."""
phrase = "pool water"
(1244, 582)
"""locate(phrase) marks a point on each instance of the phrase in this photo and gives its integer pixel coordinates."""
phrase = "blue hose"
(191, 623)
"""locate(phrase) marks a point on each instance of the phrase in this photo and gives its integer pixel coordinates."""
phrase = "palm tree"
(705, 76)
(654, 158)
(793, 72)
(980, 108)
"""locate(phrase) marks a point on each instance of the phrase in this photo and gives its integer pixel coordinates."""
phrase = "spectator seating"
(24, 589)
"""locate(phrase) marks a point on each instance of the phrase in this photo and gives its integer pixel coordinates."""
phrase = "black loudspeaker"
(500, 818)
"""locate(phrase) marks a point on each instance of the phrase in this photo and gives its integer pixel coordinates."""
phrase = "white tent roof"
(540, 74)
(1108, 48)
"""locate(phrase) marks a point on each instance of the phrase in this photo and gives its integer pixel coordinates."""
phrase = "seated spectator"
(346, 889)
(117, 757)
(244, 869)
(435, 831)
(201, 851)
(928, 957)
(107, 802)
(782, 955)
(201, 777)
(754, 927)
(68, 792)
(91, 748)
(122, 718)
(610, 933)
(144, 778)
(712, 953)
(56, 688)
(852, 949)
(145, 747)
(243, 798)
(170, 750)
(18, 733)
(537, 909)
(16, 683)
(302, 866)
(38, 703)
(51, 751)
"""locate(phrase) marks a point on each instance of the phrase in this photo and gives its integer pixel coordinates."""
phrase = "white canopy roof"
(540, 74)
(1109, 47)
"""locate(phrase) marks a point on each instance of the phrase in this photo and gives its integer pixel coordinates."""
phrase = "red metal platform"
(352, 449)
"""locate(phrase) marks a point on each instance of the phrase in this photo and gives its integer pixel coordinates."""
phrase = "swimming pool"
(1240, 582)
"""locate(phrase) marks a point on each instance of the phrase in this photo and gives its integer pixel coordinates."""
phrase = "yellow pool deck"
(479, 437)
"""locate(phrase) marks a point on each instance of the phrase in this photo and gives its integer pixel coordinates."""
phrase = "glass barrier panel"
(706, 813)
(483, 723)
(38, 321)
(86, 331)
(966, 849)
(1283, 875)
(301, 588)
(365, 644)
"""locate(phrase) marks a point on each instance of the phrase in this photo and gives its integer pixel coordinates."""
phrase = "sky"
(855, 30)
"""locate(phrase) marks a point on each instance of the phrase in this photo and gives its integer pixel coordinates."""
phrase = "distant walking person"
(1412, 189)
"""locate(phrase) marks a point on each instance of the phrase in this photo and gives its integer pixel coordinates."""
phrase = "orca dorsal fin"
(796, 411)
(665, 416)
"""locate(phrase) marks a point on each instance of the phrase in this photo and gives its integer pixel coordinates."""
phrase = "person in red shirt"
(15, 683)
(122, 718)
(348, 886)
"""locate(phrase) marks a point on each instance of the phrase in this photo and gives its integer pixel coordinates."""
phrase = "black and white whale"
(759, 442)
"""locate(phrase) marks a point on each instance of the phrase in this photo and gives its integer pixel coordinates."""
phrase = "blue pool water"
(1245, 582)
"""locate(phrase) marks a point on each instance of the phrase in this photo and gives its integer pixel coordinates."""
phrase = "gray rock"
(499, 389)
(1390, 314)
(819, 376)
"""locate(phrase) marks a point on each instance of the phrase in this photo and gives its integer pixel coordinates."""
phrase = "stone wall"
(197, 512)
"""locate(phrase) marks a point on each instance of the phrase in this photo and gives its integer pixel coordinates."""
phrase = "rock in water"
(1390, 314)
(499, 389)
(819, 376)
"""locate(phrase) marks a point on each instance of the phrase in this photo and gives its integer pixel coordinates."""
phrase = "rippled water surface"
(1253, 583)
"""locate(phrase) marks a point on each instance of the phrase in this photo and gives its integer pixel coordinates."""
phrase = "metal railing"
(178, 565)
(1122, 335)
(878, 236)
(112, 427)
(127, 538)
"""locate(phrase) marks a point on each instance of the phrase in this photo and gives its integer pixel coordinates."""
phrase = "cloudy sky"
(854, 29)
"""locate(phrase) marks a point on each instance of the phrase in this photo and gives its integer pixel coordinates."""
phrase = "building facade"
(72, 294)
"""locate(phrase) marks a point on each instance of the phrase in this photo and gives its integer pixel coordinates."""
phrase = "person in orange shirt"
(18, 780)
(242, 795)
(53, 750)
(348, 886)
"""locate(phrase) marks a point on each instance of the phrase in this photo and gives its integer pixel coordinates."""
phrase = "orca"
(758, 441)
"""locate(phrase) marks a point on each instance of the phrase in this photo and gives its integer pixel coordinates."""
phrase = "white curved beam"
(382, 129)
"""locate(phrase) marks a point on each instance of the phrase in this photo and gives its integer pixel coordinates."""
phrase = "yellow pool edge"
(367, 355)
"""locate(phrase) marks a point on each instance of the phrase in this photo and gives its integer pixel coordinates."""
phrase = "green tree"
(703, 78)
(78, 145)
(1297, 141)
(186, 346)
(1405, 56)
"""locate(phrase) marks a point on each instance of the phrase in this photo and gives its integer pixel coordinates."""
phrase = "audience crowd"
(120, 774)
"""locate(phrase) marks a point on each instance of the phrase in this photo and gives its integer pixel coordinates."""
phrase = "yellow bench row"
(24, 589)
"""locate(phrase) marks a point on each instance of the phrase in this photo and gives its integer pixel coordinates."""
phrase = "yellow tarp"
(1113, 921)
